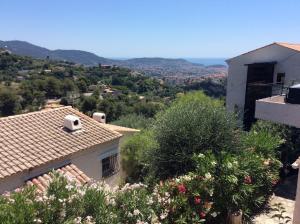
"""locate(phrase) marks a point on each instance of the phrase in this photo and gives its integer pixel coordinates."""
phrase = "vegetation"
(220, 184)
(28, 83)
(134, 149)
(213, 88)
(193, 124)
(290, 147)
(196, 136)
(197, 162)
(134, 121)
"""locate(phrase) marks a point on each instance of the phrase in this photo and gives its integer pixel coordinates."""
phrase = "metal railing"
(277, 88)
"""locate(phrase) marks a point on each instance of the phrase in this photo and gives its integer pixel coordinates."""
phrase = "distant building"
(256, 76)
(105, 66)
(5, 51)
(87, 94)
(47, 70)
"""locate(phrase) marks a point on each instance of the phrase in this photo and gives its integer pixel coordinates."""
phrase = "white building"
(255, 81)
(260, 74)
(63, 139)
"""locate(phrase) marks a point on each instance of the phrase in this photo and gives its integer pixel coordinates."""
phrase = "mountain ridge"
(154, 66)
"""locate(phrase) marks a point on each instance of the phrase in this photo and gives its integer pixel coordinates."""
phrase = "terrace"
(276, 109)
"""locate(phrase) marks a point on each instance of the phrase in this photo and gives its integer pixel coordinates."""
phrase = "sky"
(152, 28)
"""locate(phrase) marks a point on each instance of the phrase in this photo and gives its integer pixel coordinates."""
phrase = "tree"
(82, 85)
(133, 152)
(194, 123)
(53, 87)
(134, 121)
(9, 102)
(88, 104)
(147, 109)
(68, 86)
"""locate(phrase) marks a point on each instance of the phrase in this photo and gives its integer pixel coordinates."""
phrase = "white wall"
(283, 113)
(88, 161)
(288, 61)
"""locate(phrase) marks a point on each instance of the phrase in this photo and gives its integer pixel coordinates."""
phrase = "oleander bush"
(182, 200)
(221, 184)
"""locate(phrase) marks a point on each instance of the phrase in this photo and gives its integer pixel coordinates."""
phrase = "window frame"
(280, 77)
(110, 156)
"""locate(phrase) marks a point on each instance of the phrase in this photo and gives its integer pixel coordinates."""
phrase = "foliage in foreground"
(194, 123)
(220, 184)
(243, 165)
(180, 201)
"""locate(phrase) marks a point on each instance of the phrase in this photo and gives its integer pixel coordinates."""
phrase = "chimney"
(100, 117)
(72, 123)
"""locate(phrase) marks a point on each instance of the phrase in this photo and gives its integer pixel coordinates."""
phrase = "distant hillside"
(27, 49)
(150, 66)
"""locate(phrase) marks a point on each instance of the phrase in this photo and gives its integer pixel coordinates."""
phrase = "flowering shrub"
(183, 200)
(223, 182)
(186, 199)
(241, 182)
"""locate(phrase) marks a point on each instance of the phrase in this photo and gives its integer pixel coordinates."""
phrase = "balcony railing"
(276, 109)
(278, 89)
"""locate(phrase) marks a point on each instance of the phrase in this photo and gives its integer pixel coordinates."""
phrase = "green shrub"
(134, 121)
(290, 147)
(244, 180)
(134, 155)
(64, 202)
(194, 123)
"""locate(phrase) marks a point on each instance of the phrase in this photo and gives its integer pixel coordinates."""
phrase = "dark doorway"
(259, 85)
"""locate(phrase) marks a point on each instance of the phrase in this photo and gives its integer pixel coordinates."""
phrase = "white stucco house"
(261, 75)
(62, 139)
(261, 84)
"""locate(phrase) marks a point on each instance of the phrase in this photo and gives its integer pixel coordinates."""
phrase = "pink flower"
(181, 188)
(247, 180)
(197, 200)
(202, 215)
(274, 182)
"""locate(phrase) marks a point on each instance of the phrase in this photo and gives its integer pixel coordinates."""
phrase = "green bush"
(134, 121)
(194, 123)
(134, 155)
(182, 200)
(241, 182)
(290, 147)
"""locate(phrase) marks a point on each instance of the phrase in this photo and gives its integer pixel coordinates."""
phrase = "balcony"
(275, 109)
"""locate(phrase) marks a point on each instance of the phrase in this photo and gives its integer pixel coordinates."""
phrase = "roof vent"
(100, 117)
(72, 123)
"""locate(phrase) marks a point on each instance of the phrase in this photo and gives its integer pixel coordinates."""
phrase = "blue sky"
(165, 28)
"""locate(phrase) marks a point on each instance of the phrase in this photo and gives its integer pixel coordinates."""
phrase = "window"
(280, 78)
(110, 165)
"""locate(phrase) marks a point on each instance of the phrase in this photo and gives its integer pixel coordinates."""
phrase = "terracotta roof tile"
(292, 46)
(33, 139)
(295, 47)
(70, 171)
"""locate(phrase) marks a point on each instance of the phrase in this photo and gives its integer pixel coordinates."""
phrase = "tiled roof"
(71, 172)
(119, 128)
(33, 139)
(295, 47)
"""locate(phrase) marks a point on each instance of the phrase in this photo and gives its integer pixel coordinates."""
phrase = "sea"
(202, 61)
(207, 61)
